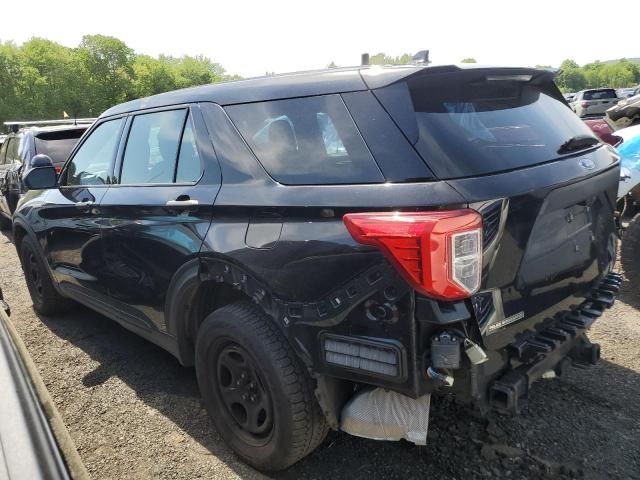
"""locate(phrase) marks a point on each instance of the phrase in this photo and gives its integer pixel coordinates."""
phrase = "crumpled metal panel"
(381, 414)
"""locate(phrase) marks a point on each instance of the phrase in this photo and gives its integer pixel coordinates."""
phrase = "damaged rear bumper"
(551, 349)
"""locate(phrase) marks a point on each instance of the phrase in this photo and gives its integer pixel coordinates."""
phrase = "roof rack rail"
(67, 121)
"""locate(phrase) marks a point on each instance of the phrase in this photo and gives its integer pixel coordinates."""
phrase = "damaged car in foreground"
(334, 248)
(34, 441)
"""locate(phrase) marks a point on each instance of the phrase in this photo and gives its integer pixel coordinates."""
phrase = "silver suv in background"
(594, 102)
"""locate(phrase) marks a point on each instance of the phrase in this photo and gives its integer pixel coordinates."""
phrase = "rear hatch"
(57, 144)
(545, 185)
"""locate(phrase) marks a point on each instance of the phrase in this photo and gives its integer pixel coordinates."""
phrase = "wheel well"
(209, 297)
(18, 235)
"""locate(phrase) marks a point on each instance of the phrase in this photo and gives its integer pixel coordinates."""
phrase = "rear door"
(158, 209)
(4, 166)
(16, 153)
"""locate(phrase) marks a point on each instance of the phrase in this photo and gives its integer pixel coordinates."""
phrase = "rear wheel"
(259, 395)
(630, 252)
(46, 300)
(5, 223)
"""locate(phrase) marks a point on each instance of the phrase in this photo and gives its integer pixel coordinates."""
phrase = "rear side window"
(57, 145)
(306, 141)
(471, 123)
(189, 164)
(600, 94)
(152, 147)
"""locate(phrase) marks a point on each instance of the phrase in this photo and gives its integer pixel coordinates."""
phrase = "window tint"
(306, 141)
(13, 151)
(600, 94)
(152, 148)
(58, 144)
(189, 167)
(90, 165)
(468, 126)
(3, 150)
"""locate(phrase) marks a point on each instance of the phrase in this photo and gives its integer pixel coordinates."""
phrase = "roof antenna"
(364, 59)
(421, 58)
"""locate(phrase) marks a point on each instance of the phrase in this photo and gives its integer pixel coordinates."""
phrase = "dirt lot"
(135, 413)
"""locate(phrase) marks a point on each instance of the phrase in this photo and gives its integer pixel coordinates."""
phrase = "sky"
(250, 38)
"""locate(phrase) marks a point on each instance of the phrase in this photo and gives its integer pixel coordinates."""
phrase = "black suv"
(18, 150)
(331, 248)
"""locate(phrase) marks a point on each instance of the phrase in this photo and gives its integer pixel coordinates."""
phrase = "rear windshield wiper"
(579, 142)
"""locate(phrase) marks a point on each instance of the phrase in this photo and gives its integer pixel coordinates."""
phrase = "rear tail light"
(584, 104)
(439, 253)
(58, 169)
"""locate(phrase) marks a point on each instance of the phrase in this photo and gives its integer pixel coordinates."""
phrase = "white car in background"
(594, 101)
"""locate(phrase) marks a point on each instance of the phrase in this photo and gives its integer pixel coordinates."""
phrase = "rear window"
(306, 141)
(599, 94)
(58, 145)
(469, 123)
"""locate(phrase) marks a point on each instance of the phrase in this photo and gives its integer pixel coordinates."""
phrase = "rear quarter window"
(306, 141)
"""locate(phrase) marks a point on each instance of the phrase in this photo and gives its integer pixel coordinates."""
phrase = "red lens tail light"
(58, 169)
(439, 253)
(584, 104)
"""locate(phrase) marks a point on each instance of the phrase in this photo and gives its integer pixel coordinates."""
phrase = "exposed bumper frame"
(553, 348)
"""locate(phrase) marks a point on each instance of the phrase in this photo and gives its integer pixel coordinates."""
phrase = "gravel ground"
(134, 412)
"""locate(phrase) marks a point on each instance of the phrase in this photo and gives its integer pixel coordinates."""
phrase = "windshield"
(466, 125)
(58, 145)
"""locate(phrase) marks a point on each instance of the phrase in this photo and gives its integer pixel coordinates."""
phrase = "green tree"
(107, 64)
(9, 76)
(197, 70)
(571, 80)
(152, 76)
(568, 63)
(468, 60)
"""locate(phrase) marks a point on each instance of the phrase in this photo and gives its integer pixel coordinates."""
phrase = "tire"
(239, 343)
(45, 298)
(630, 252)
(5, 223)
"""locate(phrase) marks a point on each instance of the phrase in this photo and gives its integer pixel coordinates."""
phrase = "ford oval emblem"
(587, 164)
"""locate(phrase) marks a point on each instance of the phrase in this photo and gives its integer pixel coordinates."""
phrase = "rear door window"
(161, 149)
(472, 123)
(306, 141)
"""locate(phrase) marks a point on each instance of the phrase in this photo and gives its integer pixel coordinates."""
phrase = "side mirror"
(42, 174)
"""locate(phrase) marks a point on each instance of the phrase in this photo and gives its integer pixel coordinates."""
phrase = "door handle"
(87, 204)
(182, 203)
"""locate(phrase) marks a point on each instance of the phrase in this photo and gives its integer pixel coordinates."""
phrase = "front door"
(70, 218)
(158, 210)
